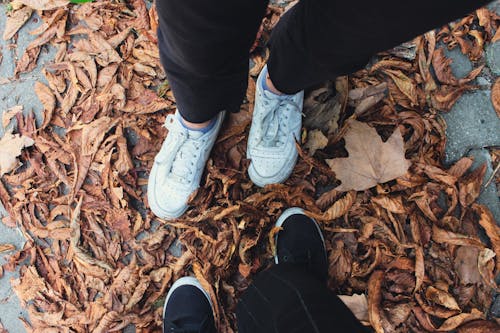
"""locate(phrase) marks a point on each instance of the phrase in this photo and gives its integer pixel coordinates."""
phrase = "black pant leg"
(288, 299)
(321, 39)
(204, 48)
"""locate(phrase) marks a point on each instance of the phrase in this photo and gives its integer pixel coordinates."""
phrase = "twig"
(492, 175)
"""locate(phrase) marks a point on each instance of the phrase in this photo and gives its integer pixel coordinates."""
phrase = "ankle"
(269, 85)
(203, 127)
(196, 126)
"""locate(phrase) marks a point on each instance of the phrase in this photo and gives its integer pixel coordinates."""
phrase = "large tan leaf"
(11, 146)
(370, 160)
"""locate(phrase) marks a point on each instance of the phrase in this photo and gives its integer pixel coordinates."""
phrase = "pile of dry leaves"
(402, 231)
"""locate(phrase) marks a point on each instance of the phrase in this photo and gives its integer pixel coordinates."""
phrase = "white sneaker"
(276, 124)
(178, 167)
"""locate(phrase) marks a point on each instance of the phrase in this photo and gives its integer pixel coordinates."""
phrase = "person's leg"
(188, 308)
(320, 39)
(204, 50)
(292, 296)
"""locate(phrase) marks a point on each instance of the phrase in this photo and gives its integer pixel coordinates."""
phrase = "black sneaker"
(301, 242)
(188, 308)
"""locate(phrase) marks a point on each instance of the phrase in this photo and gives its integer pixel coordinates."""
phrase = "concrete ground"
(472, 126)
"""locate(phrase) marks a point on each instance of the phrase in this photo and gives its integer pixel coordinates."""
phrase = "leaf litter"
(401, 230)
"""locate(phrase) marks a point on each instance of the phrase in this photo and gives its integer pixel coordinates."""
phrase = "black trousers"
(288, 299)
(204, 44)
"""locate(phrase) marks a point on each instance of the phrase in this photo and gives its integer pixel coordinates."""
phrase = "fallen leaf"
(358, 304)
(442, 68)
(365, 98)
(470, 186)
(480, 326)
(370, 160)
(453, 322)
(374, 300)
(6, 247)
(404, 84)
(11, 146)
(48, 101)
(495, 95)
(466, 260)
(10, 113)
(15, 20)
(44, 4)
(487, 221)
(441, 297)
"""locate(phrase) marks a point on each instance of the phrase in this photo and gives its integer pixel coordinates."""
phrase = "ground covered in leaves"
(409, 248)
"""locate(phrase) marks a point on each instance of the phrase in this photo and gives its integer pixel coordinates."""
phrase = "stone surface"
(461, 65)
(493, 57)
(471, 123)
(10, 308)
(489, 195)
(20, 92)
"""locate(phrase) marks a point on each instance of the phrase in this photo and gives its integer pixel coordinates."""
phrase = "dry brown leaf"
(470, 186)
(480, 326)
(442, 68)
(11, 146)
(338, 209)
(419, 268)
(496, 38)
(43, 4)
(10, 113)
(404, 84)
(443, 236)
(6, 247)
(495, 95)
(15, 20)
(453, 322)
(365, 98)
(460, 167)
(375, 299)
(487, 221)
(370, 160)
(48, 100)
(392, 204)
(445, 96)
(466, 260)
(442, 298)
(486, 267)
(358, 304)
(316, 140)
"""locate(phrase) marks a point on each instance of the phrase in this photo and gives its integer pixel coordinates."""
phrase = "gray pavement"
(472, 126)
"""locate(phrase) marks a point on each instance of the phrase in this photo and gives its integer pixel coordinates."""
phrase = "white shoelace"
(187, 152)
(274, 123)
